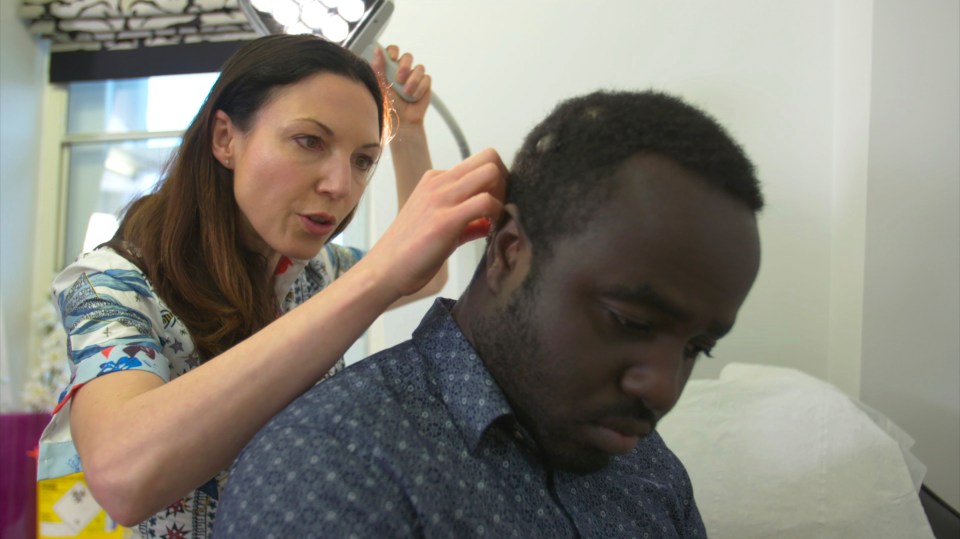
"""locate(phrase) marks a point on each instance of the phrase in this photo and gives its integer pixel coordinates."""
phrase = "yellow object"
(66, 508)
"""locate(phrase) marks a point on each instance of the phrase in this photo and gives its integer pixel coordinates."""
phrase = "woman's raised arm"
(131, 429)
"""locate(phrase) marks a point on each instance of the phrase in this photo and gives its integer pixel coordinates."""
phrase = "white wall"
(853, 35)
(911, 309)
(764, 69)
(817, 94)
(22, 79)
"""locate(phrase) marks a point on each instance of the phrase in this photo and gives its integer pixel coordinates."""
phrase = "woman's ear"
(508, 253)
(224, 135)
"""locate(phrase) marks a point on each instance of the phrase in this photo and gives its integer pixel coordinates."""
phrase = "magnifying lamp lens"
(298, 29)
(314, 15)
(351, 10)
(334, 28)
(265, 6)
(286, 12)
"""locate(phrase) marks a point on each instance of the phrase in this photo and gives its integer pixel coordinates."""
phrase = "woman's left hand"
(415, 83)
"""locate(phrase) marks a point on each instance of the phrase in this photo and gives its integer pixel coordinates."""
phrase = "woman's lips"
(318, 224)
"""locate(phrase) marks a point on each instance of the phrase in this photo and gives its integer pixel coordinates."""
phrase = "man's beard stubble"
(510, 346)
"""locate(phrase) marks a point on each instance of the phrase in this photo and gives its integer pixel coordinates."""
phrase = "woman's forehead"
(336, 98)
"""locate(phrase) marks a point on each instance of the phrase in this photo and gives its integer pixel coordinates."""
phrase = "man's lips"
(618, 435)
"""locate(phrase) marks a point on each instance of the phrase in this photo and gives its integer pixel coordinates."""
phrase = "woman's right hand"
(447, 209)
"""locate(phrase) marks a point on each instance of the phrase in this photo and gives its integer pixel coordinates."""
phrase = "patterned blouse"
(115, 322)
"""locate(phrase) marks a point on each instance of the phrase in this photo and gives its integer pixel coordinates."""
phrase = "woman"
(182, 307)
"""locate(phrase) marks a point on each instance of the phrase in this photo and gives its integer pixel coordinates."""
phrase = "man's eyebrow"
(326, 129)
(646, 295)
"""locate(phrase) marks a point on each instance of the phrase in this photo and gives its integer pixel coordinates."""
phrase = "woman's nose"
(336, 177)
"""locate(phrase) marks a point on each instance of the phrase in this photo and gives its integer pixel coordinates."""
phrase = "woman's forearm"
(131, 431)
(411, 159)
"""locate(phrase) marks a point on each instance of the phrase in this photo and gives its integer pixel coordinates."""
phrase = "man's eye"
(633, 327)
(309, 141)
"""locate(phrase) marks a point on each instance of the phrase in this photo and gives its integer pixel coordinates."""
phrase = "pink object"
(19, 434)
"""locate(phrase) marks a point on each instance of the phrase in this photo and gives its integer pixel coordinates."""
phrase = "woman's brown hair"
(185, 234)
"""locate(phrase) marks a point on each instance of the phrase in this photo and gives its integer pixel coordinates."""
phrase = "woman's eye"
(365, 162)
(310, 142)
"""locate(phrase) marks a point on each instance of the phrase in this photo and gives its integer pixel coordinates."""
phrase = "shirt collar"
(470, 393)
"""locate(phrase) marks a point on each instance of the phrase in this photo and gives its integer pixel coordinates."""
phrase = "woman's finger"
(378, 62)
(414, 80)
(486, 178)
(486, 155)
(476, 229)
(488, 208)
(393, 51)
(404, 67)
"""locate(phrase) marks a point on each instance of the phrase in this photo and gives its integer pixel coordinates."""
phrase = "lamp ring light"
(353, 24)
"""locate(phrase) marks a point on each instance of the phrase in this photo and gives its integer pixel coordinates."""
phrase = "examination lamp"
(353, 24)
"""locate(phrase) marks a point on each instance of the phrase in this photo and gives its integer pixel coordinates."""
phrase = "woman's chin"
(305, 250)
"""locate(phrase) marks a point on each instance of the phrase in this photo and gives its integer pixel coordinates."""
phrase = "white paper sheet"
(773, 452)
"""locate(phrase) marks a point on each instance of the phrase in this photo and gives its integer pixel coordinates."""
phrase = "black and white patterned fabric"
(93, 25)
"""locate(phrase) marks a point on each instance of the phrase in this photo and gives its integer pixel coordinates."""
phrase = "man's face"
(598, 347)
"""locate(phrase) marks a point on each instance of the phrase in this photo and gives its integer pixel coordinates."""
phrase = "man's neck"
(464, 313)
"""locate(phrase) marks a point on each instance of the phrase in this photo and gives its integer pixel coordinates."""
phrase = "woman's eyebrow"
(326, 129)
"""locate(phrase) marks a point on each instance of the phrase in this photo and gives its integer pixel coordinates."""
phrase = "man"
(527, 408)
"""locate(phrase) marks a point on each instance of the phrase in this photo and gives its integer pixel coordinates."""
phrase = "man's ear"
(224, 139)
(508, 253)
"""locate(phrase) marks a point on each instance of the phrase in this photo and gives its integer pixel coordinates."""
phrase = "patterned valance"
(112, 39)
(90, 25)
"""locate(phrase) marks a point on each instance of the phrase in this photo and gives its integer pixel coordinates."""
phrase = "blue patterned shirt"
(419, 441)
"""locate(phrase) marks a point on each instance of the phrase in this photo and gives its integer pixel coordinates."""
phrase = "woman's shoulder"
(103, 268)
(100, 259)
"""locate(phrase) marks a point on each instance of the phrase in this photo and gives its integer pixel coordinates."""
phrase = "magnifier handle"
(389, 71)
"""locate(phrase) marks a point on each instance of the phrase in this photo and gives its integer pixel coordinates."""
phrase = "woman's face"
(303, 164)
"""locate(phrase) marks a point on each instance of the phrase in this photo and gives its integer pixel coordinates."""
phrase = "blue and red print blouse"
(116, 322)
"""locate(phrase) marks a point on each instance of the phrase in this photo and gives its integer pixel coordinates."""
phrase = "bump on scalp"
(563, 172)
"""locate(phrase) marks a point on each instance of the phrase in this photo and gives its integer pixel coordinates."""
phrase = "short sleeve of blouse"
(112, 318)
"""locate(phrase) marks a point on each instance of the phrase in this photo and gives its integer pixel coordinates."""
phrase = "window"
(120, 134)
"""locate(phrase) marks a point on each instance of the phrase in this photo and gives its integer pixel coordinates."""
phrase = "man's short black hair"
(564, 171)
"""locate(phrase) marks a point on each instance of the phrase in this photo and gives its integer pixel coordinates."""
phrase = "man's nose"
(657, 379)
